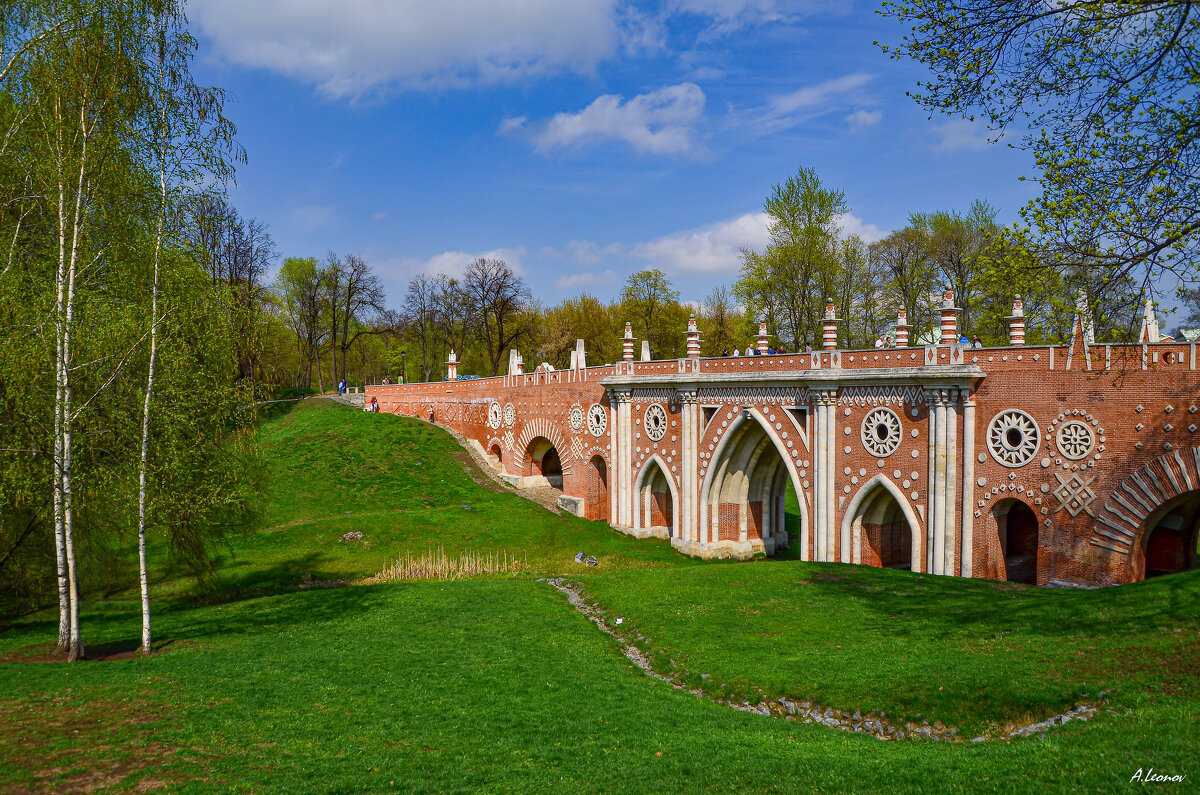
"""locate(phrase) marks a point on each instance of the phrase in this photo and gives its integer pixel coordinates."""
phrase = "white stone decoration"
(1074, 440)
(576, 417)
(881, 432)
(655, 421)
(494, 415)
(597, 420)
(1013, 438)
(510, 415)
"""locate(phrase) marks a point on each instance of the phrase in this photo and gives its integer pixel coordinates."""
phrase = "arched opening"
(656, 503)
(597, 489)
(1018, 528)
(1172, 534)
(544, 461)
(749, 502)
(497, 456)
(880, 531)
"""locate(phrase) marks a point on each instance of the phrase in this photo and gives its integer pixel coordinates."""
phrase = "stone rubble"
(876, 725)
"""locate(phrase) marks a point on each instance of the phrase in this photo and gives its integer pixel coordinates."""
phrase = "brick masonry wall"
(1137, 404)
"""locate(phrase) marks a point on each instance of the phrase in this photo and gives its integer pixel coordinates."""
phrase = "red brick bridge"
(1057, 465)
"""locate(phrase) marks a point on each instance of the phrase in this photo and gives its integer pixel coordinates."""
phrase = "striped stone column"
(762, 345)
(693, 338)
(452, 367)
(901, 329)
(1016, 323)
(829, 327)
(627, 353)
(949, 319)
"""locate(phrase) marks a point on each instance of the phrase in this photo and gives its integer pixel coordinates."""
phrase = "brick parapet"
(1122, 399)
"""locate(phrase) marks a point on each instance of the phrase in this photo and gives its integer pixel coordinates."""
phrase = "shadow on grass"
(947, 607)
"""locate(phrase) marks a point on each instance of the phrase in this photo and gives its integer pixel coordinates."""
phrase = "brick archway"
(1121, 522)
(748, 440)
(544, 428)
(878, 512)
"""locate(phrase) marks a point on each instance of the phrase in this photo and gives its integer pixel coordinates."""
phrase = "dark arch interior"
(1018, 527)
(551, 465)
(544, 461)
(1171, 543)
(496, 452)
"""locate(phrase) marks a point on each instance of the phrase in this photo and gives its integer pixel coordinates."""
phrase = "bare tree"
(420, 311)
(236, 253)
(498, 297)
(361, 291)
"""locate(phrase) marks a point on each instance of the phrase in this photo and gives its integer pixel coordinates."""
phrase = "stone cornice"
(933, 376)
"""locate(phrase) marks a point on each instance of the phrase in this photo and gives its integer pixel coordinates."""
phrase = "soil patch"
(123, 650)
(76, 744)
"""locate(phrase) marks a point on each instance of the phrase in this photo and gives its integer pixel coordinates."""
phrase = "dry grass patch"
(437, 565)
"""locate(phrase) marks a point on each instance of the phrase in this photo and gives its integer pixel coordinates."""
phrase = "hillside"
(498, 684)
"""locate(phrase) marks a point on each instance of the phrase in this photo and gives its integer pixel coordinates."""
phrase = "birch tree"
(189, 140)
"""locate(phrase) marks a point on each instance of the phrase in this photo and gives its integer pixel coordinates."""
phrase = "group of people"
(887, 342)
(751, 350)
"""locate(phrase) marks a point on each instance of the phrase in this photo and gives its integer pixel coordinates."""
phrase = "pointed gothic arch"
(879, 512)
(733, 474)
(655, 497)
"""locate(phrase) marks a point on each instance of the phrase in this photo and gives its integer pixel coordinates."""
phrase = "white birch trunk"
(142, 574)
(60, 549)
(75, 649)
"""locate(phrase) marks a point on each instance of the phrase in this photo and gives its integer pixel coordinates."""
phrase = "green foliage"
(451, 685)
(1104, 96)
(651, 303)
(787, 283)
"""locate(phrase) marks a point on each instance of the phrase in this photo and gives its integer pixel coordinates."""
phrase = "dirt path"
(877, 725)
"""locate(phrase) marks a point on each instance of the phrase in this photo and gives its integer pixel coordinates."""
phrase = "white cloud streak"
(348, 48)
(661, 122)
(959, 135)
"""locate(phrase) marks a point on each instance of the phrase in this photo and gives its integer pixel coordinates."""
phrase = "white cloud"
(451, 263)
(959, 135)
(853, 225)
(731, 15)
(864, 118)
(574, 281)
(351, 47)
(715, 248)
(788, 110)
(661, 122)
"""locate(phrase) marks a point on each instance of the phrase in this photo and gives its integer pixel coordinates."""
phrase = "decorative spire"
(1016, 322)
(901, 329)
(693, 338)
(829, 327)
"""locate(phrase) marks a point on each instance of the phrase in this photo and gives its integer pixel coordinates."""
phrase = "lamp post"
(404, 366)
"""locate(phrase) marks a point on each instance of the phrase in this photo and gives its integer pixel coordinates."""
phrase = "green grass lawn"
(497, 684)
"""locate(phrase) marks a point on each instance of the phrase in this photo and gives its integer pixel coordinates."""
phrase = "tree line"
(129, 289)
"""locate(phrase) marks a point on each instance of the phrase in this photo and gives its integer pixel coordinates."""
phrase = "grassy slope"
(499, 685)
(332, 470)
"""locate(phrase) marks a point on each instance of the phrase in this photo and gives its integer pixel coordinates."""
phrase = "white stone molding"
(761, 395)
(881, 432)
(1074, 440)
(886, 395)
(597, 420)
(654, 422)
(494, 415)
(865, 491)
(1013, 438)
(575, 415)
(510, 415)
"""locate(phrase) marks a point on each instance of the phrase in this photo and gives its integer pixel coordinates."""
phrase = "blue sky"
(580, 140)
